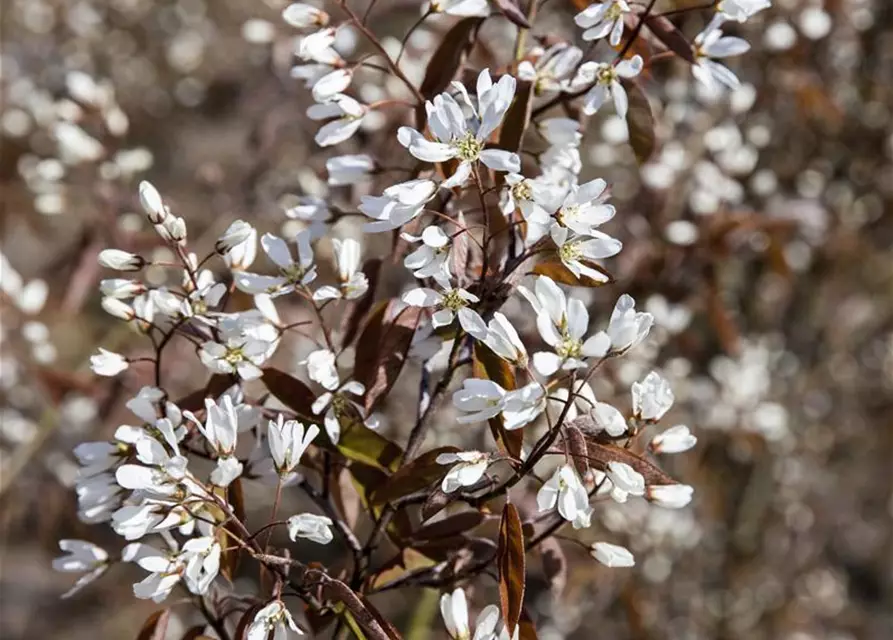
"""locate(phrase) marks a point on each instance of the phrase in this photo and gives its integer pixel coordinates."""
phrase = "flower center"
(453, 301)
(565, 213)
(569, 347)
(522, 191)
(606, 75)
(614, 12)
(569, 252)
(468, 147)
(233, 355)
(294, 273)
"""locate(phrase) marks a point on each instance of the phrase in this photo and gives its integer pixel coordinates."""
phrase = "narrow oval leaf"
(446, 61)
(640, 121)
(392, 352)
(436, 502)
(671, 37)
(509, 8)
(369, 341)
(291, 392)
(576, 443)
(358, 309)
(553, 267)
(554, 565)
(517, 118)
(512, 571)
(414, 476)
(155, 626)
(450, 526)
(601, 454)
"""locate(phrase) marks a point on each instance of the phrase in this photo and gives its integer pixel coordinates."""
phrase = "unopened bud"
(152, 203)
(237, 233)
(670, 496)
(121, 288)
(118, 309)
(121, 260)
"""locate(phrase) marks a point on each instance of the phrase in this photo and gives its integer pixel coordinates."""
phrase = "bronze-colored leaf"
(155, 626)
(576, 443)
(357, 309)
(509, 8)
(450, 526)
(446, 62)
(386, 625)
(369, 341)
(517, 118)
(196, 633)
(229, 559)
(436, 502)
(601, 454)
(640, 121)
(670, 35)
(460, 253)
(553, 267)
(413, 476)
(554, 565)
(392, 352)
(526, 628)
(486, 364)
(291, 392)
(510, 559)
(217, 384)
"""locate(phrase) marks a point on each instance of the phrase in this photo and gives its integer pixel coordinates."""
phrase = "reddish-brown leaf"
(357, 309)
(526, 628)
(436, 502)
(155, 626)
(369, 342)
(517, 118)
(460, 253)
(509, 8)
(414, 476)
(512, 570)
(392, 351)
(640, 121)
(671, 37)
(576, 443)
(553, 267)
(554, 565)
(446, 61)
(450, 526)
(229, 559)
(601, 454)
(245, 621)
(291, 392)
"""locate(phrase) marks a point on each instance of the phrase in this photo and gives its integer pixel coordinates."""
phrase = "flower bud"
(302, 16)
(152, 203)
(172, 229)
(612, 555)
(670, 496)
(674, 440)
(121, 260)
(118, 309)
(237, 233)
(108, 363)
(121, 288)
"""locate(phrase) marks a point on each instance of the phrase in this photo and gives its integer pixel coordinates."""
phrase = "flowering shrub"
(492, 223)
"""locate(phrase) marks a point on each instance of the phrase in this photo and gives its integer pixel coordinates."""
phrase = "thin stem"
(273, 513)
(409, 33)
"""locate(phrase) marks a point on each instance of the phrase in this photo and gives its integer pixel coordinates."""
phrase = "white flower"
(431, 259)
(738, 10)
(573, 250)
(608, 419)
(627, 327)
(456, 137)
(349, 169)
(607, 78)
(625, 480)
(612, 555)
(108, 363)
(291, 274)
(301, 15)
(449, 304)
(120, 260)
(345, 117)
(469, 470)
(238, 353)
(560, 131)
(398, 205)
(202, 298)
(322, 369)
(202, 556)
(152, 203)
(332, 84)
(463, 8)
(220, 429)
(165, 570)
(504, 341)
(353, 283)
(531, 196)
(584, 207)
(522, 406)
(551, 69)
(652, 397)
(674, 440)
(454, 609)
(709, 44)
(603, 18)
(670, 496)
(337, 406)
(314, 528)
(273, 619)
(238, 245)
(81, 557)
(317, 47)
(562, 323)
(566, 490)
(480, 399)
(288, 440)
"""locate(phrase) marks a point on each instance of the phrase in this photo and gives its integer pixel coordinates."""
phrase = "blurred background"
(759, 234)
